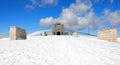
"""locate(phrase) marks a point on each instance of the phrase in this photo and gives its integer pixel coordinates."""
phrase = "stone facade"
(109, 35)
(58, 29)
(17, 33)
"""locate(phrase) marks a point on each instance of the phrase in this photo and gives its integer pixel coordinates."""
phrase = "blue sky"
(35, 15)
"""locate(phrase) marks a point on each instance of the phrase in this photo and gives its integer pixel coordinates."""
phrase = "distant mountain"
(87, 34)
(3, 36)
(38, 33)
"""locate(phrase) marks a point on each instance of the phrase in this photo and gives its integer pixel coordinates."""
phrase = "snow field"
(59, 50)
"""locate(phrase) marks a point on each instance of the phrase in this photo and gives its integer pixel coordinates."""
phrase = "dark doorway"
(54, 33)
(58, 33)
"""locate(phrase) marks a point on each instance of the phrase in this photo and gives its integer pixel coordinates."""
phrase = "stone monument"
(75, 34)
(109, 35)
(17, 33)
(58, 29)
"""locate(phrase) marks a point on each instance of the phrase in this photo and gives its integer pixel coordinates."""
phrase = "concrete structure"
(58, 29)
(75, 34)
(17, 33)
(109, 35)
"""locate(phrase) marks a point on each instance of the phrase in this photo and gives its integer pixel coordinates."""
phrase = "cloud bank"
(42, 3)
(112, 17)
(80, 15)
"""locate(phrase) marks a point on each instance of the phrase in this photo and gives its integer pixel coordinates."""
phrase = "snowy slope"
(59, 50)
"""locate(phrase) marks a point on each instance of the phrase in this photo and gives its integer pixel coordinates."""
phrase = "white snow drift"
(59, 50)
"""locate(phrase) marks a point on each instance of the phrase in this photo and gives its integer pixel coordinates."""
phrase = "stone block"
(17, 33)
(109, 35)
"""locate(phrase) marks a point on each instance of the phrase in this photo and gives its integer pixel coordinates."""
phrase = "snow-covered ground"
(59, 50)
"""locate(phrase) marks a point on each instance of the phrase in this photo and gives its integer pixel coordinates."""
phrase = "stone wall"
(17, 33)
(109, 35)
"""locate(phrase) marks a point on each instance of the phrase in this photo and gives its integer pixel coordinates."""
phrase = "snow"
(59, 50)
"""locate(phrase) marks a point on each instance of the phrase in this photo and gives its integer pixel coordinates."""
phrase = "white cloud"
(111, 1)
(47, 21)
(78, 16)
(32, 5)
(80, 7)
(112, 17)
(42, 3)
